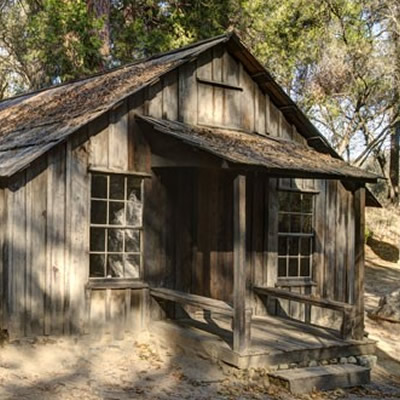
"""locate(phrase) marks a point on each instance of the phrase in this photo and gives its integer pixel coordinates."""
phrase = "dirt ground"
(140, 367)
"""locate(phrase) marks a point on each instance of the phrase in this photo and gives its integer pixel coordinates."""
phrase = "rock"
(352, 360)
(324, 362)
(389, 307)
(368, 361)
(343, 360)
(292, 365)
(313, 363)
(283, 366)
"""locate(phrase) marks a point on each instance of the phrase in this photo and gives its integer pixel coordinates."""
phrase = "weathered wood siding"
(46, 241)
(216, 90)
(188, 214)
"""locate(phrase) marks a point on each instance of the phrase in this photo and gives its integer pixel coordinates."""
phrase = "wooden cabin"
(186, 192)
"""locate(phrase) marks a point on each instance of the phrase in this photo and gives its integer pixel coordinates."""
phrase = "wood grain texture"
(359, 224)
(241, 323)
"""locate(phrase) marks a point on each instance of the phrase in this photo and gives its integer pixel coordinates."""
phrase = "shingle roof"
(31, 124)
(276, 155)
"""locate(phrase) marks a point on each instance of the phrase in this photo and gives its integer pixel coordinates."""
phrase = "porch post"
(359, 226)
(241, 314)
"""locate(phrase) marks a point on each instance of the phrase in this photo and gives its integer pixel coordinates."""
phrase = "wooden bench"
(195, 300)
(346, 309)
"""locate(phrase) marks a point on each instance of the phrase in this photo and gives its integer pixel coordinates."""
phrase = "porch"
(275, 341)
(213, 251)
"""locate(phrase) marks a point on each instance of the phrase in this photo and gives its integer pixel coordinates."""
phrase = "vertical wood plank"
(286, 128)
(260, 112)
(241, 324)
(205, 92)
(272, 238)
(232, 98)
(170, 96)
(98, 133)
(217, 75)
(258, 238)
(56, 235)
(273, 120)
(139, 156)
(350, 261)
(155, 100)
(330, 240)
(341, 243)
(79, 233)
(318, 259)
(247, 101)
(359, 224)
(188, 109)
(267, 115)
(17, 258)
(67, 235)
(36, 245)
(118, 138)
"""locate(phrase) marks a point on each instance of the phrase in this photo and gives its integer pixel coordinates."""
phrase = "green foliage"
(140, 28)
(339, 59)
(62, 35)
(368, 234)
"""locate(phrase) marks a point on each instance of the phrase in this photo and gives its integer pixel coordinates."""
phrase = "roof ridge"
(131, 64)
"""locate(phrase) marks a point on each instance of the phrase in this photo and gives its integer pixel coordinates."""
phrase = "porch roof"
(278, 156)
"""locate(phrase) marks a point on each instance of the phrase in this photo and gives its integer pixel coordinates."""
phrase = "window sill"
(96, 283)
(294, 282)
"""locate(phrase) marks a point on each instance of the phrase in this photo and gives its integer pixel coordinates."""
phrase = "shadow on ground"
(386, 251)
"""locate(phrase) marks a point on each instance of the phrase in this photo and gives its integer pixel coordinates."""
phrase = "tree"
(339, 59)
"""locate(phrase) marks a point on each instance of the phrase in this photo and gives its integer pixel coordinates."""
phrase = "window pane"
(115, 267)
(282, 266)
(132, 265)
(305, 247)
(116, 213)
(282, 246)
(99, 186)
(134, 188)
(307, 203)
(293, 266)
(284, 201)
(295, 202)
(284, 223)
(132, 241)
(295, 223)
(134, 209)
(97, 265)
(117, 189)
(293, 246)
(115, 240)
(97, 239)
(98, 213)
(306, 224)
(305, 266)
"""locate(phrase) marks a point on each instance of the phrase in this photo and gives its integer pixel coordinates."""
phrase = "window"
(295, 234)
(115, 226)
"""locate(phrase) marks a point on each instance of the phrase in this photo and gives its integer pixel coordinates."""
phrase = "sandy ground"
(64, 369)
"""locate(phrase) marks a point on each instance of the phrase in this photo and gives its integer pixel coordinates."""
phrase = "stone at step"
(329, 377)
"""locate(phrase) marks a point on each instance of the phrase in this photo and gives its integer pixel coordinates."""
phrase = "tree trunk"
(395, 138)
(394, 165)
(101, 10)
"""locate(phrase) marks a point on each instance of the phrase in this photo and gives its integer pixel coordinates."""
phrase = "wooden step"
(329, 377)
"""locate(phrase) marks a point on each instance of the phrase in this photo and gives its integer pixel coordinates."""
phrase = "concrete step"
(329, 377)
